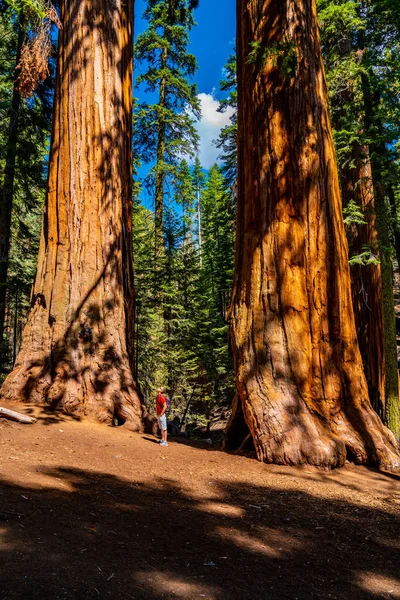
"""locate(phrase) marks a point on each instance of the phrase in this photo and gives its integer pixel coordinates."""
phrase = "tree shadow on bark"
(77, 351)
(99, 536)
(299, 371)
(82, 357)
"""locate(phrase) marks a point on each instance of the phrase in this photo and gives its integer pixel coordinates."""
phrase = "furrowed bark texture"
(298, 366)
(366, 280)
(78, 342)
(371, 99)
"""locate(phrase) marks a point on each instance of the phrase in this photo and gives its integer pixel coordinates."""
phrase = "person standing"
(161, 409)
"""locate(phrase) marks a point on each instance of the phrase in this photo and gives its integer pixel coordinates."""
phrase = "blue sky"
(212, 41)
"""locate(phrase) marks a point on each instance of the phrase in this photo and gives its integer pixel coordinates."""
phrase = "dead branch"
(15, 416)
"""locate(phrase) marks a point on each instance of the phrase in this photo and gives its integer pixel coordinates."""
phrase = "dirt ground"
(89, 511)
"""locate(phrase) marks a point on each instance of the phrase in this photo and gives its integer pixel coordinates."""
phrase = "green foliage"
(36, 7)
(353, 214)
(183, 343)
(339, 19)
(215, 285)
(227, 140)
(166, 69)
(177, 313)
(34, 121)
(282, 55)
(148, 323)
(361, 46)
(366, 257)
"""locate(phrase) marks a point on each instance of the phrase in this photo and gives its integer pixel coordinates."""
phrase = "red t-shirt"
(160, 401)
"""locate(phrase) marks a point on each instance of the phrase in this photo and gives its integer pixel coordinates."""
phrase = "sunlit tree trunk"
(298, 367)
(78, 343)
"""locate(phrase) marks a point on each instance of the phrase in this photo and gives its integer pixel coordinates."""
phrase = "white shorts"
(162, 422)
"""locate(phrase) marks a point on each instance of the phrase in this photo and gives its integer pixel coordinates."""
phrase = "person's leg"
(164, 428)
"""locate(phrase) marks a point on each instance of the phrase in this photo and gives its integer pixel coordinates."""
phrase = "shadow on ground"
(47, 415)
(92, 535)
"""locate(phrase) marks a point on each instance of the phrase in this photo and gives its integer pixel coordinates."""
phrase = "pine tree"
(198, 182)
(165, 130)
(149, 344)
(7, 180)
(214, 290)
(227, 140)
(183, 342)
(166, 330)
(23, 149)
(181, 272)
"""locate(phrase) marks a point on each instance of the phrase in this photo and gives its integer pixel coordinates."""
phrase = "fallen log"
(15, 416)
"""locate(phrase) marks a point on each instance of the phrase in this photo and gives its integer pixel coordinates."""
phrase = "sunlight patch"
(393, 543)
(179, 588)
(222, 509)
(270, 542)
(3, 533)
(379, 584)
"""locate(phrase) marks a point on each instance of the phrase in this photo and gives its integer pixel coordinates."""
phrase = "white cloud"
(209, 127)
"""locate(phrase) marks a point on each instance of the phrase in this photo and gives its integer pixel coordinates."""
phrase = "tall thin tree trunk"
(7, 189)
(392, 405)
(160, 173)
(298, 367)
(15, 332)
(199, 228)
(77, 349)
(395, 220)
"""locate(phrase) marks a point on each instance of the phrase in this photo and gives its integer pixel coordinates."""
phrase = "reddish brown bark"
(366, 280)
(298, 367)
(78, 342)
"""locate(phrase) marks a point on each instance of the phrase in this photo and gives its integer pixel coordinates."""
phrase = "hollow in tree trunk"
(77, 345)
(298, 367)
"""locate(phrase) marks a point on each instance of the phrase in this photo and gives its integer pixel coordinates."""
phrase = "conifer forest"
(264, 287)
(199, 299)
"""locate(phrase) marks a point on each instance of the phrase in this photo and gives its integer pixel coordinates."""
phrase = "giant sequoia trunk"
(78, 341)
(298, 366)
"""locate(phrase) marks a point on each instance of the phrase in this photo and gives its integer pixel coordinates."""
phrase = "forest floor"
(89, 511)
